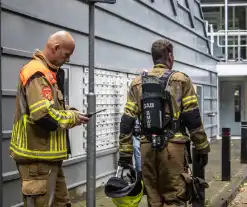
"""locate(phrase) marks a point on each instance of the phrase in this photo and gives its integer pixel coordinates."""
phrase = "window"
(213, 16)
(237, 103)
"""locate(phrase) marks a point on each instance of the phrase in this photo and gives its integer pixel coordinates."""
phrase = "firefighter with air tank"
(166, 104)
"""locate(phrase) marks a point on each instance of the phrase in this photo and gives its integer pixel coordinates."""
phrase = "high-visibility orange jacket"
(39, 130)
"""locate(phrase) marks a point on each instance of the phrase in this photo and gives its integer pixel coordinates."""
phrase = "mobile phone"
(91, 114)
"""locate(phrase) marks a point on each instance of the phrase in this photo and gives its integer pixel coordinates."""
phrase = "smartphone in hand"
(91, 114)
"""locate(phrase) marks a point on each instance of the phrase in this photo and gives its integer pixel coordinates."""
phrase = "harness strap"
(175, 123)
(166, 77)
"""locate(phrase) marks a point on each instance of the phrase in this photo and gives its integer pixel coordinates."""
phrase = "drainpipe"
(211, 38)
(226, 30)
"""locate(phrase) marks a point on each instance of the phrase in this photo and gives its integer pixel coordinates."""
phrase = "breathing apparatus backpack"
(157, 125)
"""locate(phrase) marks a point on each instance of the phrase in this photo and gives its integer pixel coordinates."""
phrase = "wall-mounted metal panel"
(154, 19)
(110, 89)
(78, 10)
(184, 17)
(76, 97)
(8, 163)
(207, 92)
(206, 121)
(197, 11)
(199, 26)
(207, 106)
(12, 193)
(214, 103)
(107, 54)
(11, 66)
(8, 112)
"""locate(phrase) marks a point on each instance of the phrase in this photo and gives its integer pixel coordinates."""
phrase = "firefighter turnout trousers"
(161, 170)
(43, 184)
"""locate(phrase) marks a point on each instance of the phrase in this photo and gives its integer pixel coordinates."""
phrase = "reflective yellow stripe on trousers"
(202, 145)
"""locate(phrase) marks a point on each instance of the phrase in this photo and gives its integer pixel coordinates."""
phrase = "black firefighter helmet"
(125, 190)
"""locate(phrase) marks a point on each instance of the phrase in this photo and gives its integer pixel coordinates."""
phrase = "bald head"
(61, 38)
(59, 48)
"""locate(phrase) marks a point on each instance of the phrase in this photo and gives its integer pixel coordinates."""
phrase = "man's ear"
(171, 56)
(55, 48)
(170, 59)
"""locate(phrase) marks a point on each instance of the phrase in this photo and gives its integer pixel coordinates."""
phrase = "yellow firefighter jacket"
(38, 98)
(184, 103)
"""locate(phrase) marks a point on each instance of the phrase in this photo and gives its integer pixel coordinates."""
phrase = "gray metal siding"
(124, 34)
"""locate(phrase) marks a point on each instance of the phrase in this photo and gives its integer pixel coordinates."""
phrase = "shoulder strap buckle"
(174, 128)
(144, 73)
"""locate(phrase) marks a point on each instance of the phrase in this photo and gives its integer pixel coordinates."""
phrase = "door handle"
(212, 114)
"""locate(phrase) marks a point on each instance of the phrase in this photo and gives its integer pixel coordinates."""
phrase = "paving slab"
(219, 193)
(241, 198)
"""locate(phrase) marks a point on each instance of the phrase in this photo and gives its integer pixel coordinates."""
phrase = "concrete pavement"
(241, 198)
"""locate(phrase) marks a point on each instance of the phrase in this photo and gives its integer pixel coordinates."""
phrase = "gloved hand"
(137, 130)
(203, 159)
(139, 175)
(124, 159)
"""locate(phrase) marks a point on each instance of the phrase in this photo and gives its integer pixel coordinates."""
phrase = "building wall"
(221, 1)
(231, 69)
(124, 34)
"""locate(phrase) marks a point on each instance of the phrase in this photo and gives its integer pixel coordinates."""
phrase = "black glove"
(137, 130)
(139, 175)
(124, 160)
(203, 159)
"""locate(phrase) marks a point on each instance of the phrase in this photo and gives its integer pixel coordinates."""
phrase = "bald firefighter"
(39, 141)
(166, 103)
